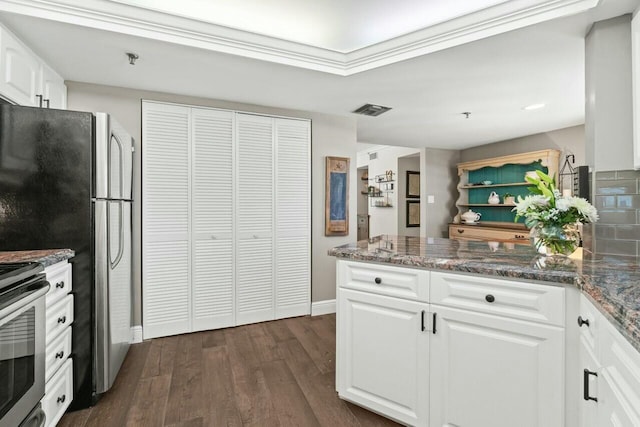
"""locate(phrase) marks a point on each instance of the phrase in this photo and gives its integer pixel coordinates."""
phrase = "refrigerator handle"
(115, 138)
(114, 263)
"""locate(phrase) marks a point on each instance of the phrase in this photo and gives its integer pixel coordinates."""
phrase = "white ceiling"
(337, 25)
(493, 78)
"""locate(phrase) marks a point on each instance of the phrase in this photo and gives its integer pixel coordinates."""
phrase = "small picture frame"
(413, 213)
(413, 185)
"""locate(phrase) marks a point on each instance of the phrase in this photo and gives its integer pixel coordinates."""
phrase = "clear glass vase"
(555, 239)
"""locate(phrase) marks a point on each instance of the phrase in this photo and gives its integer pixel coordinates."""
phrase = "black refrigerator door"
(45, 203)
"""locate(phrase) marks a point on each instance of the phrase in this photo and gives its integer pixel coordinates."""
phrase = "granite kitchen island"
(487, 333)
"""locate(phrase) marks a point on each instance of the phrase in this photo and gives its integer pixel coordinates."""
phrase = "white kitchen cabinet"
(491, 371)
(226, 218)
(25, 79)
(58, 361)
(619, 382)
(588, 372)
(383, 351)
(52, 88)
(608, 372)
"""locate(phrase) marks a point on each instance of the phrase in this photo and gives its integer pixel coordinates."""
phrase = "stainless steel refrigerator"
(66, 182)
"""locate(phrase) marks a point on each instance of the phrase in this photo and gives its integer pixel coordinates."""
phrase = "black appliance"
(22, 342)
(65, 182)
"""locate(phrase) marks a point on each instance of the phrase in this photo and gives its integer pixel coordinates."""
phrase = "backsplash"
(617, 198)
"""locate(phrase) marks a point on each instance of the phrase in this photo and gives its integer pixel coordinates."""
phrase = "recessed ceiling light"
(534, 107)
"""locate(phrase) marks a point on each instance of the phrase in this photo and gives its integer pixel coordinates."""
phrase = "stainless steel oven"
(22, 343)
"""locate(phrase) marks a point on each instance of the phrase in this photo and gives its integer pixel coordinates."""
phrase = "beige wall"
(330, 135)
(406, 164)
(567, 140)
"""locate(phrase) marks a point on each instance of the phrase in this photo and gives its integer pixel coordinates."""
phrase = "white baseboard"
(319, 308)
(136, 334)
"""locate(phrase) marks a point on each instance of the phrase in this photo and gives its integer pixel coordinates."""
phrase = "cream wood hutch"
(503, 175)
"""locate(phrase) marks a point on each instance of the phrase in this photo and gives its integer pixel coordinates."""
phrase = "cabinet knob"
(490, 298)
(60, 284)
(582, 321)
(60, 355)
(62, 319)
(519, 236)
(460, 230)
(62, 398)
(377, 280)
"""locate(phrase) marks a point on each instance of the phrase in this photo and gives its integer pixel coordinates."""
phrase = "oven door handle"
(20, 302)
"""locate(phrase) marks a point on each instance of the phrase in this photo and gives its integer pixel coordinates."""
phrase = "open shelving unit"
(506, 174)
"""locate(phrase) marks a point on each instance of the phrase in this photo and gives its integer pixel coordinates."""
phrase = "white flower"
(563, 204)
(530, 203)
(585, 209)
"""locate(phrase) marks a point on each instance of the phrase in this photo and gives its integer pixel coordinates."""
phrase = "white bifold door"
(226, 218)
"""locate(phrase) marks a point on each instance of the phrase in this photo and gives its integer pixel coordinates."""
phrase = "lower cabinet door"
(382, 355)
(619, 382)
(488, 371)
(589, 372)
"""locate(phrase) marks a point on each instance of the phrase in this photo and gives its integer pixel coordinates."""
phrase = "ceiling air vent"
(371, 110)
(373, 156)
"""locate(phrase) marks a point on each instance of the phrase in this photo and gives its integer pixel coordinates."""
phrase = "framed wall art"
(413, 185)
(336, 215)
(413, 213)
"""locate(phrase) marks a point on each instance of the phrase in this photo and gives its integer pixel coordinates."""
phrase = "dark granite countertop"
(46, 257)
(611, 283)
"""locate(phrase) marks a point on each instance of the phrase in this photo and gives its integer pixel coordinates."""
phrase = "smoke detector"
(371, 110)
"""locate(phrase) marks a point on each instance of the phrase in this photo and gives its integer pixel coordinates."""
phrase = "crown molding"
(140, 22)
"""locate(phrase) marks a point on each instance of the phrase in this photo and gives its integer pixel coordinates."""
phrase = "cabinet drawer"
(58, 393)
(59, 277)
(589, 319)
(57, 352)
(472, 232)
(400, 282)
(59, 316)
(526, 301)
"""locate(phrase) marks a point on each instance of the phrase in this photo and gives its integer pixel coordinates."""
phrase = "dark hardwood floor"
(279, 373)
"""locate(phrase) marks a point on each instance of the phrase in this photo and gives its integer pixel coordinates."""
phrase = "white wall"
(609, 113)
(438, 178)
(384, 220)
(406, 164)
(362, 185)
(568, 140)
(330, 135)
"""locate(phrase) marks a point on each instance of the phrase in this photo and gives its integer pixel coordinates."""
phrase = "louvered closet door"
(212, 216)
(255, 205)
(165, 220)
(293, 218)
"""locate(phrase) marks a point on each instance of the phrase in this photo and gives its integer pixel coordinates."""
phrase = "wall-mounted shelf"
(383, 186)
(486, 205)
(509, 184)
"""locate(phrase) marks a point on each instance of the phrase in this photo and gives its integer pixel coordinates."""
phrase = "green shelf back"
(502, 175)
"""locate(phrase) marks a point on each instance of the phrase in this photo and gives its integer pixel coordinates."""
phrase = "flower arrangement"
(553, 218)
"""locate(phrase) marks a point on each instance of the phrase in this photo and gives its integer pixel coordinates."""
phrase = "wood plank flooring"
(279, 373)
